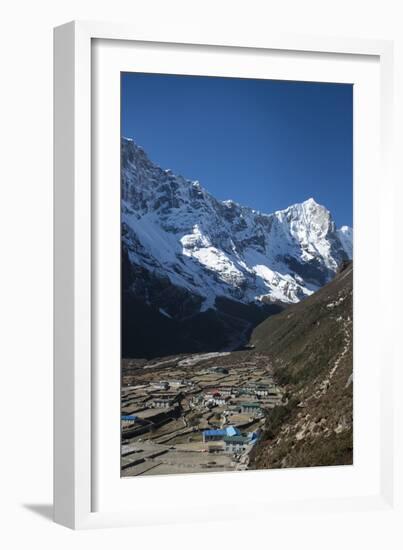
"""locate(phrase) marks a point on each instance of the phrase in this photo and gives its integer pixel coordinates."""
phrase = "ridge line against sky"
(262, 143)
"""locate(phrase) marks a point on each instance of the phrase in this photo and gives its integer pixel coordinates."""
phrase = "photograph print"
(236, 274)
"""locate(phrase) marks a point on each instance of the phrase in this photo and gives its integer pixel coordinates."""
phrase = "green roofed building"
(253, 408)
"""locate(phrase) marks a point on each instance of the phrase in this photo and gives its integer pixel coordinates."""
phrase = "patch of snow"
(165, 313)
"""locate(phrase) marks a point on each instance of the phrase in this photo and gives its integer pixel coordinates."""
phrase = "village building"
(232, 431)
(214, 397)
(213, 435)
(250, 408)
(236, 444)
(219, 435)
(247, 390)
(239, 442)
(225, 391)
(262, 391)
(129, 418)
(163, 402)
(220, 401)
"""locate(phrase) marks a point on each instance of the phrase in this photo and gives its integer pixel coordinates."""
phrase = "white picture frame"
(87, 492)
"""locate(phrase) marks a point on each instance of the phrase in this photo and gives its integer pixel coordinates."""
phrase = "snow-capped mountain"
(183, 249)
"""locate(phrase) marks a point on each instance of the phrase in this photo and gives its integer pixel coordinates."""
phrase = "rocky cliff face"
(183, 250)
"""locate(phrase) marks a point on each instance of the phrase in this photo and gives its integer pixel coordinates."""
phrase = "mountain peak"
(307, 212)
(312, 205)
(307, 205)
(182, 236)
(311, 202)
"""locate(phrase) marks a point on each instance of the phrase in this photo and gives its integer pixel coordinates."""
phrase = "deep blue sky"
(263, 143)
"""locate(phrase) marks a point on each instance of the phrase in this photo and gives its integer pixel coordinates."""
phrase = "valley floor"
(194, 413)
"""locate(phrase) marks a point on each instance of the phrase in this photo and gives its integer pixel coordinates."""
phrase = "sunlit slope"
(311, 346)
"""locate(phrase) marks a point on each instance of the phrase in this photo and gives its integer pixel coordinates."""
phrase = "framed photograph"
(219, 225)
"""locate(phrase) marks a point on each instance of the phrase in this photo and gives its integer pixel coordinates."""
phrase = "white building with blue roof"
(219, 435)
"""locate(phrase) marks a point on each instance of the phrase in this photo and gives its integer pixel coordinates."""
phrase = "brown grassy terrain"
(310, 345)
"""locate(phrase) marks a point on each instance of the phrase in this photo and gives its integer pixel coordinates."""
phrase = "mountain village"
(194, 413)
